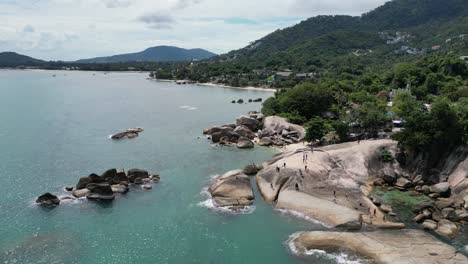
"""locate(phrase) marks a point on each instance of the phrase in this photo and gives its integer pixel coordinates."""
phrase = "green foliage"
(385, 155)
(342, 129)
(315, 129)
(294, 118)
(371, 116)
(306, 101)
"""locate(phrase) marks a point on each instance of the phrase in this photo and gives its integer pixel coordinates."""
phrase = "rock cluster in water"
(103, 187)
(129, 133)
(241, 101)
(255, 128)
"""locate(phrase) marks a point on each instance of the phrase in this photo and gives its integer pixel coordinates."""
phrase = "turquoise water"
(55, 129)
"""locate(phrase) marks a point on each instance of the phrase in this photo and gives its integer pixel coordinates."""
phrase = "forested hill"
(155, 54)
(12, 59)
(398, 29)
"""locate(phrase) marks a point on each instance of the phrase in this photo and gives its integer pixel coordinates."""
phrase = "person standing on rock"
(277, 169)
(297, 187)
(284, 165)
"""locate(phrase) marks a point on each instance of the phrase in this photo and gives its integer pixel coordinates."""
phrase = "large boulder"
(252, 123)
(265, 141)
(244, 131)
(245, 144)
(403, 183)
(442, 188)
(388, 174)
(423, 205)
(447, 229)
(109, 175)
(119, 188)
(120, 177)
(275, 125)
(80, 193)
(383, 247)
(211, 130)
(100, 192)
(133, 174)
(232, 190)
(83, 182)
(48, 200)
(225, 132)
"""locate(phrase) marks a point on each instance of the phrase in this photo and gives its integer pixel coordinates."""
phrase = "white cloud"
(74, 29)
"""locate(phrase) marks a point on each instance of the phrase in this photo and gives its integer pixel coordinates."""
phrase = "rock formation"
(232, 190)
(129, 133)
(103, 187)
(267, 131)
(401, 247)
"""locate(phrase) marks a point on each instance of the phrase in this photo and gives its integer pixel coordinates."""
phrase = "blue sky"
(75, 29)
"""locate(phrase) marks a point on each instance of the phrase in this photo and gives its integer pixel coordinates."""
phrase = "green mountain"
(400, 30)
(12, 59)
(155, 54)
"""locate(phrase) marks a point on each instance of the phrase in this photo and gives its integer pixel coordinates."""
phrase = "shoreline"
(251, 88)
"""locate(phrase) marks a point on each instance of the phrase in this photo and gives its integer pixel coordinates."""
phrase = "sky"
(77, 29)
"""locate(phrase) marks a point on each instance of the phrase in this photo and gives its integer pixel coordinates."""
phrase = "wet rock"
(462, 215)
(100, 192)
(48, 200)
(449, 213)
(250, 123)
(119, 188)
(80, 193)
(245, 144)
(244, 131)
(120, 176)
(240, 101)
(265, 141)
(447, 229)
(383, 247)
(147, 187)
(109, 174)
(133, 174)
(232, 189)
(69, 188)
(429, 225)
(82, 182)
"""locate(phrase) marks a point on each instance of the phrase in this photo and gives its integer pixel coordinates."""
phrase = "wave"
(184, 107)
(340, 257)
(211, 205)
(302, 216)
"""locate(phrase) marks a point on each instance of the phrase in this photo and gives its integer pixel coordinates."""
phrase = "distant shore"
(224, 86)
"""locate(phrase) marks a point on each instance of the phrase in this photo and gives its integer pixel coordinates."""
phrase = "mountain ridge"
(154, 54)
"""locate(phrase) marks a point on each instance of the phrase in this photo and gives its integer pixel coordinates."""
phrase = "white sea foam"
(192, 108)
(302, 216)
(466, 248)
(340, 258)
(184, 107)
(210, 204)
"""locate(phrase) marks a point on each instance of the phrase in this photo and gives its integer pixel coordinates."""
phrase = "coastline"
(270, 90)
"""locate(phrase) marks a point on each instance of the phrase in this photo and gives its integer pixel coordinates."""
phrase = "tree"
(371, 116)
(315, 129)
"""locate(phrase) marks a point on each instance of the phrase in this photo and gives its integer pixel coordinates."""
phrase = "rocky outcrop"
(48, 200)
(329, 184)
(267, 131)
(382, 246)
(232, 190)
(129, 133)
(280, 130)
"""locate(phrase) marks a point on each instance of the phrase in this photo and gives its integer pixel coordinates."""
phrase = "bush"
(294, 118)
(386, 156)
(315, 129)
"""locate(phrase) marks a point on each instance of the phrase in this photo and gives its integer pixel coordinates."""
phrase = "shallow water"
(55, 129)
